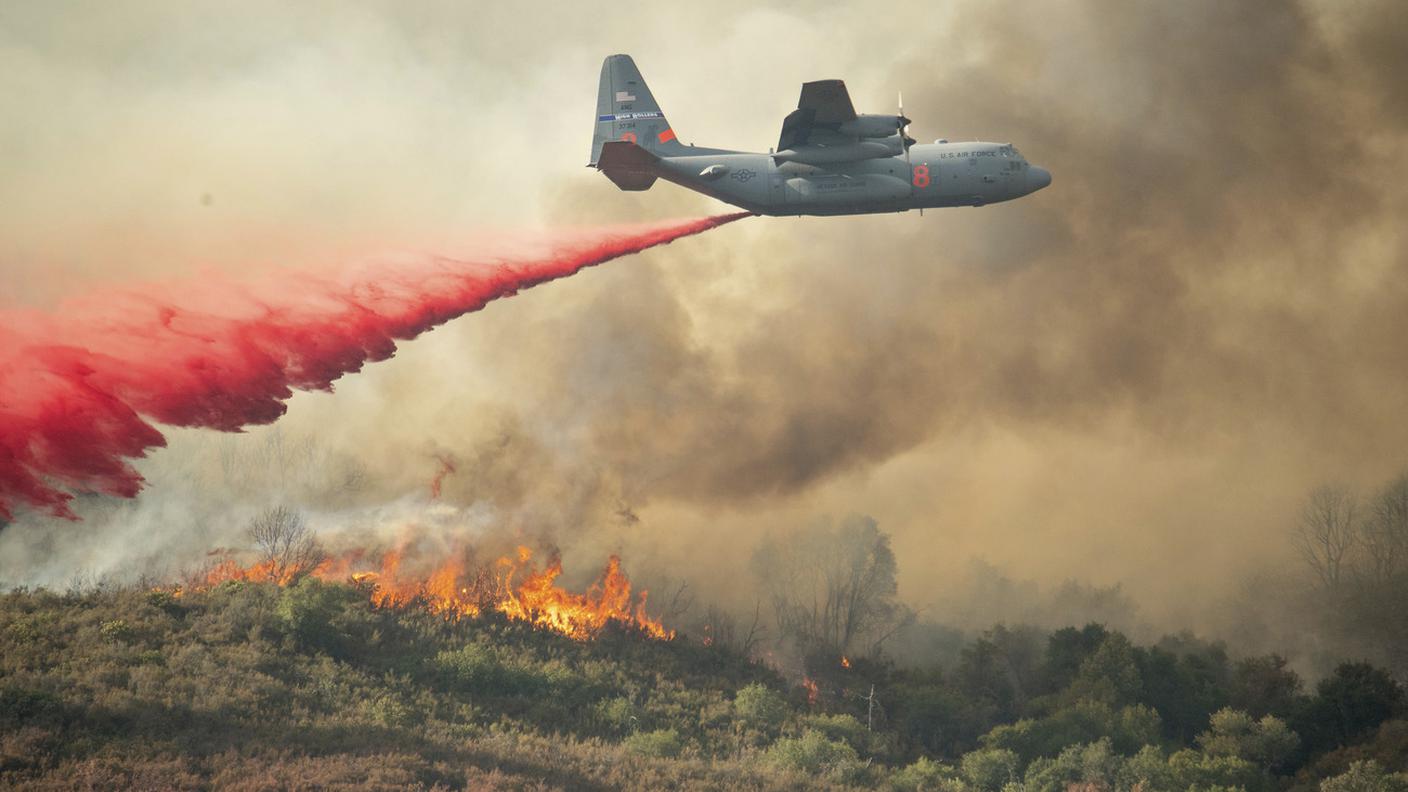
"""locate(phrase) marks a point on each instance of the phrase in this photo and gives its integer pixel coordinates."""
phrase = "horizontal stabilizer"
(627, 165)
(631, 182)
(621, 155)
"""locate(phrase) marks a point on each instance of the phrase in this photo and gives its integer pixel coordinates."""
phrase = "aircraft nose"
(1037, 178)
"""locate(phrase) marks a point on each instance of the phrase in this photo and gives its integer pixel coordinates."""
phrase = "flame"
(813, 691)
(512, 586)
(845, 662)
(538, 599)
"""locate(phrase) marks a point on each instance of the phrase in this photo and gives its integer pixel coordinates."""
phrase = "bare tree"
(288, 549)
(721, 628)
(1327, 533)
(756, 631)
(1385, 532)
(832, 588)
(678, 601)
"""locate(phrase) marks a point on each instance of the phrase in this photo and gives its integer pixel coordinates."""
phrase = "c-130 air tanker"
(829, 160)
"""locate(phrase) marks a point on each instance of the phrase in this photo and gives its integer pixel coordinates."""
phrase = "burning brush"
(457, 589)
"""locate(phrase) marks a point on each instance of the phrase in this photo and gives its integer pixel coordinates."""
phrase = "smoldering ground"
(1133, 376)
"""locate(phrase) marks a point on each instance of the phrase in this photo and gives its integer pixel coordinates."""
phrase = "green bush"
(926, 775)
(1094, 764)
(1193, 769)
(475, 665)
(1148, 769)
(760, 707)
(616, 715)
(1267, 743)
(166, 602)
(308, 611)
(117, 630)
(658, 744)
(815, 755)
(482, 668)
(1366, 776)
(1127, 729)
(844, 728)
(991, 769)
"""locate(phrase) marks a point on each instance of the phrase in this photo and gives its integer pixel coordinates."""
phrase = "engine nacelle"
(846, 152)
(872, 126)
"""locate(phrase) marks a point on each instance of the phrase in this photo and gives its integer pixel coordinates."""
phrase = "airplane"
(829, 160)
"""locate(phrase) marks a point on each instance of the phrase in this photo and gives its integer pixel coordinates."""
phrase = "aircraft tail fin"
(626, 111)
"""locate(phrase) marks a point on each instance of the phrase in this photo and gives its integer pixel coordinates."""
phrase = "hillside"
(256, 686)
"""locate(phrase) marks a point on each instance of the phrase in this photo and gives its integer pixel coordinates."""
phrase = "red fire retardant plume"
(80, 388)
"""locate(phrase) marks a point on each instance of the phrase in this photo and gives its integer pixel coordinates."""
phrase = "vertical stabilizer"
(626, 110)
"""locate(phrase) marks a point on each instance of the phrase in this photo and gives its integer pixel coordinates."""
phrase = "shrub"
(1190, 768)
(23, 706)
(307, 612)
(840, 727)
(991, 769)
(760, 707)
(493, 671)
(658, 744)
(616, 714)
(165, 601)
(1147, 769)
(1267, 742)
(117, 630)
(1094, 764)
(924, 775)
(1084, 722)
(815, 755)
(1366, 776)
(1348, 705)
(475, 665)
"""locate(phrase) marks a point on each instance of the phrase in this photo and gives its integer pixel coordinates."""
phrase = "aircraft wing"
(823, 106)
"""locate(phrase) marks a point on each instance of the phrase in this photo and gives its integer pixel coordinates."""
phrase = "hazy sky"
(1135, 375)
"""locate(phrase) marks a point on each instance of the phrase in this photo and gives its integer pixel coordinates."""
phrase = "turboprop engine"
(871, 148)
(873, 126)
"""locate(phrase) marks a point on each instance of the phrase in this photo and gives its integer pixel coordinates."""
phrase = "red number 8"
(921, 176)
(629, 137)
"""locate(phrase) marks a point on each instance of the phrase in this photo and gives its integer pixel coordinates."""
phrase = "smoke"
(79, 385)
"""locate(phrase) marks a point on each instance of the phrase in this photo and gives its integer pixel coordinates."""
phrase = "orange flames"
(845, 661)
(511, 585)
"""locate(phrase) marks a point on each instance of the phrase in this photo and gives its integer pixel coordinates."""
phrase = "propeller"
(905, 141)
(904, 125)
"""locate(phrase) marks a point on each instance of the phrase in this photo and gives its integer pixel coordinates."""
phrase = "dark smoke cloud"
(1134, 375)
(1192, 264)
(1214, 282)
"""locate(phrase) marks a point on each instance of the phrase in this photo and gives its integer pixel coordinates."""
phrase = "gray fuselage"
(936, 175)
